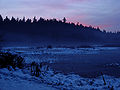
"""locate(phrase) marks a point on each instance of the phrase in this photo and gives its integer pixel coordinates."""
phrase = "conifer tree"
(64, 20)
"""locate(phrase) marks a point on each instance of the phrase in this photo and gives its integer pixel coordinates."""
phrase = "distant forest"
(53, 30)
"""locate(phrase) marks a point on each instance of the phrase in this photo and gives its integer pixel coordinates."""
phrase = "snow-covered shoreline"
(50, 80)
(21, 79)
(17, 80)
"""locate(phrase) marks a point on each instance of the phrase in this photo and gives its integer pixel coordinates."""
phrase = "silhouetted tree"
(28, 21)
(77, 24)
(6, 20)
(13, 20)
(64, 20)
(23, 20)
(41, 20)
(81, 25)
(1, 19)
(104, 31)
(56, 30)
(34, 20)
(98, 28)
(54, 20)
(17, 19)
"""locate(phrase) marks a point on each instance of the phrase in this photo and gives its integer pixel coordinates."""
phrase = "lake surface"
(87, 62)
(106, 60)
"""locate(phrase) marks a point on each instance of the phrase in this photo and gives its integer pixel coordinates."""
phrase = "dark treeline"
(56, 30)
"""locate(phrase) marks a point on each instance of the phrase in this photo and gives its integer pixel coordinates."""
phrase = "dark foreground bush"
(8, 59)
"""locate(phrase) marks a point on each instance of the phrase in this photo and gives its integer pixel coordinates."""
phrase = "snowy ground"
(22, 79)
(17, 80)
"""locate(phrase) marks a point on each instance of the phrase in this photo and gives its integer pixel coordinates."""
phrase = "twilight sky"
(102, 13)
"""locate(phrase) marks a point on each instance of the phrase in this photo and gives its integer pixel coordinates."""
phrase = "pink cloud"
(79, 0)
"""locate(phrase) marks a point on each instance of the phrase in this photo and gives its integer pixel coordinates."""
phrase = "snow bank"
(22, 79)
(16, 80)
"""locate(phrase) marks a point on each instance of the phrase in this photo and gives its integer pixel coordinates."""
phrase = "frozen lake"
(87, 62)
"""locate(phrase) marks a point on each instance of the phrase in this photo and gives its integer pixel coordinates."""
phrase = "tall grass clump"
(8, 59)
